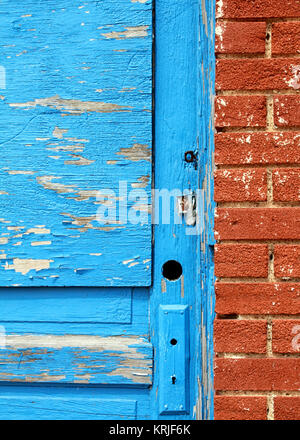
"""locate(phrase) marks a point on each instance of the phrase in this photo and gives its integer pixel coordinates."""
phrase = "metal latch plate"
(174, 359)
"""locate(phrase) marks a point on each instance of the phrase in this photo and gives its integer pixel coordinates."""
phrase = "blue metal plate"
(174, 359)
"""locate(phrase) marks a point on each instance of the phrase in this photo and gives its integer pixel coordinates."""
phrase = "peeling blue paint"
(78, 95)
(205, 303)
(184, 97)
(102, 361)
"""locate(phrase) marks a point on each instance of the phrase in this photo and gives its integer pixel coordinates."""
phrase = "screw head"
(189, 156)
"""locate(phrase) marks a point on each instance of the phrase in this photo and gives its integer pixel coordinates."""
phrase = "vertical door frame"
(184, 71)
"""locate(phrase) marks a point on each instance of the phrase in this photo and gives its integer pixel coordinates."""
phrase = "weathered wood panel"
(114, 360)
(51, 407)
(75, 119)
(61, 305)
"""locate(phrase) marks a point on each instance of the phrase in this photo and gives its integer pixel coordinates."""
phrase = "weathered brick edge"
(257, 224)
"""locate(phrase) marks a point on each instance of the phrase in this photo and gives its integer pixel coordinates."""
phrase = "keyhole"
(172, 270)
(173, 380)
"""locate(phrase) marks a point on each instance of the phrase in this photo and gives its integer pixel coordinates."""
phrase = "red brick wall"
(257, 188)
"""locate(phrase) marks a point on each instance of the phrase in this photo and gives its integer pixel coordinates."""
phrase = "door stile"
(205, 300)
(183, 144)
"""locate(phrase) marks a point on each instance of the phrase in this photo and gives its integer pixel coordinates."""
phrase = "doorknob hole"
(172, 270)
(173, 341)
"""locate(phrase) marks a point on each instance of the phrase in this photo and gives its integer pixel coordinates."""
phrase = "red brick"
(287, 109)
(241, 260)
(257, 224)
(287, 408)
(285, 38)
(240, 37)
(287, 261)
(257, 74)
(232, 185)
(240, 111)
(257, 298)
(286, 336)
(257, 148)
(286, 185)
(237, 336)
(240, 408)
(271, 374)
(257, 8)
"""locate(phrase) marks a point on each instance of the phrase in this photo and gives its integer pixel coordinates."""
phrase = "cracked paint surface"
(61, 144)
(82, 359)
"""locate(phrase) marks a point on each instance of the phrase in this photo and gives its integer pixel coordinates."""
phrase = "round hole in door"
(173, 341)
(172, 270)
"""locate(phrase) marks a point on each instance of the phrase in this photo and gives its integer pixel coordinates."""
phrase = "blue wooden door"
(98, 306)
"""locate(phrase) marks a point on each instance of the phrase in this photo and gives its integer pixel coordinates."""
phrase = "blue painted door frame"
(165, 330)
(184, 112)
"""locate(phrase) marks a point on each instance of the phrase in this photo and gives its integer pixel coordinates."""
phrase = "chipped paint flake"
(78, 160)
(46, 182)
(131, 32)
(74, 106)
(220, 8)
(220, 30)
(294, 81)
(40, 243)
(24, 266)
(136, 153)
(91, 359)
(142, 182)
(19, 172)
(37, 231)
(59, 132)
